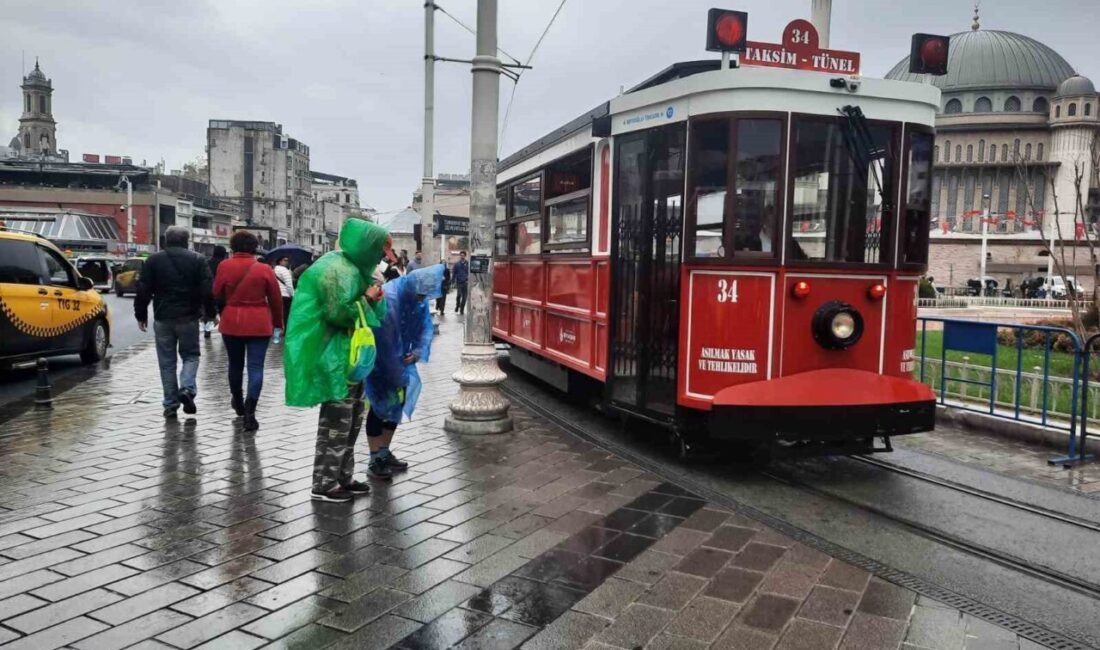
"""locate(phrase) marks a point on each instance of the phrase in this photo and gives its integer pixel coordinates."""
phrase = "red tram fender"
(826, 404)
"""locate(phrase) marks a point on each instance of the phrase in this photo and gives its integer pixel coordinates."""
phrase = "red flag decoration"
(1010, 215)
(1080, 231)
(943, 225)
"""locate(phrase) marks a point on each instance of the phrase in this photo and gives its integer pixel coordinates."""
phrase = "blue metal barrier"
(1082, 455)
(975, 337)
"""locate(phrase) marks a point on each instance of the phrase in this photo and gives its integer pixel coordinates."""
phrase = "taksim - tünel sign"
(800, 51)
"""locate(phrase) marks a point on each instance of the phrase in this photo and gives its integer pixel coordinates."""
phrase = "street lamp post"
(480, 408)
(985, 235)
(129, 211)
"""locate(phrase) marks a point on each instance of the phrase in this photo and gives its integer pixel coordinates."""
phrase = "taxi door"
(70, 306)
(26, 316)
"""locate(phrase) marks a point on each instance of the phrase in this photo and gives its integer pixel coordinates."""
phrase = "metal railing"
(975, 372)
(955, 302)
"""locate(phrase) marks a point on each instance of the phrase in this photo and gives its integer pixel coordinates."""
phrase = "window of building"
(568, 194)
(1072, 110)
(1088, 108)
(1058, 111)
(1004, 153)
(1012, 104)
(992, 153)
(947, 151)
(969, 153)
(1027, 151)
(26, 141)
(1040, 105)
(837, 214)
(1016, 149)
(981, 150)
(1039, 153)
(953, 106)
(983, 105)
(958, 153)
(936, 153)
(28, 98)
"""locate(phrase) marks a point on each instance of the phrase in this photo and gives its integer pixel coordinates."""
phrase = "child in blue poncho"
(403, 339)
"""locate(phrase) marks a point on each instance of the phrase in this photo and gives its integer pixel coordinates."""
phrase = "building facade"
(1016, 126)
(265, 172)
(37, 136)
(335, 199)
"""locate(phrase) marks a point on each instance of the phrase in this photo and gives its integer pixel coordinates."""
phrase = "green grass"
(1061, 363)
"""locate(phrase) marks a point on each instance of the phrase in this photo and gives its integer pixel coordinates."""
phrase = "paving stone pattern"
(119, 529)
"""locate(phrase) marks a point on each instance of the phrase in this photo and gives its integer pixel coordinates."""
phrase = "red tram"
(733, 252)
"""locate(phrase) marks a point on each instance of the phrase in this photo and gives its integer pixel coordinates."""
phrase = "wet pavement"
(118, 529)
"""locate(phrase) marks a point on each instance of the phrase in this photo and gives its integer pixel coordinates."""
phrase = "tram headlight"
(837, 325)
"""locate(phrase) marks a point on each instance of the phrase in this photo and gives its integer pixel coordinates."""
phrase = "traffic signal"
(727, 30)
(928, 54)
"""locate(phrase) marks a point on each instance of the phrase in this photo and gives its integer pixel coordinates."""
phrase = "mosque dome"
(992, 59)
(1075, 85)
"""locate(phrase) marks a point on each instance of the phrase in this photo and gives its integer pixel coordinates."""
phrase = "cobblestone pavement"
(118, 529)
(1005, 455)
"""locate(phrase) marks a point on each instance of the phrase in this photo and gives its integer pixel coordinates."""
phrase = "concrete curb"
(1056, 440)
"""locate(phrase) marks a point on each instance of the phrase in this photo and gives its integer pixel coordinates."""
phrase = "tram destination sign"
(800, 51)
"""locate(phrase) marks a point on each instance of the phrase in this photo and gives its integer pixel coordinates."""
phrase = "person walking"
(331, 296)
(461, 276)
(417, 262)
(441, 302)
(403, 338)
(253, 312)
(215, 260)
(177, 281)
(286, 286)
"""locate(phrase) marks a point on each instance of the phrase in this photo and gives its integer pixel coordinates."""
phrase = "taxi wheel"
(95, 348)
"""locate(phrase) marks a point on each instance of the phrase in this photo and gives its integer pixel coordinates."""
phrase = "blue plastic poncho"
(406, 328)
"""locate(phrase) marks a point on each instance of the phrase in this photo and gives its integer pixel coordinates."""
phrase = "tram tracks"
(571, 418)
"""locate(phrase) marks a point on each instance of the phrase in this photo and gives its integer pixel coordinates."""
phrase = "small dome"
(1074, 86)
(991, 59)
(36, 77)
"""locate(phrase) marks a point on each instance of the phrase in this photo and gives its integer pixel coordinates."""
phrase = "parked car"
(47, 308)
(974, 287)
(99, 269)
(126, 276)
(1059, 290)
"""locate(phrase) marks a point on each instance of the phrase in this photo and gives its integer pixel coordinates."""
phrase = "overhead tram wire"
(471, 30)
(530, 57)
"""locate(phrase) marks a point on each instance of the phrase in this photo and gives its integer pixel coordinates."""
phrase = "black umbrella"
(297, 255)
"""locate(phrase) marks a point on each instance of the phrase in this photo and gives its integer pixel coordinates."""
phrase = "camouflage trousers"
(334, 458)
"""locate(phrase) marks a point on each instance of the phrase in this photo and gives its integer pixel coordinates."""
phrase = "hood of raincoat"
(394, 386)
(318, 336)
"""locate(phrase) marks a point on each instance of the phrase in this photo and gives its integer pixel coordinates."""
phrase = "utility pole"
(129, 211)
(985, 238)
(427, 183)
(480, 408)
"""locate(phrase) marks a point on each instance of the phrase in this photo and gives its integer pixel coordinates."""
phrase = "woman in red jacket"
(252, 306)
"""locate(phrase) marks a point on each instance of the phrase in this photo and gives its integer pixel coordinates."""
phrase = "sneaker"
(170, 412)
(395, 464)
(379, 469)
(337, 495)
(358, 488)
(188, 401)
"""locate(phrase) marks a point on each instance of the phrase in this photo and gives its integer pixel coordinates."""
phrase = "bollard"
(43, 396)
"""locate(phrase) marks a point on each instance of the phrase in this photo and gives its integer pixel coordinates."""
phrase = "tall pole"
(427, 183)
(480, 408)
(985, 237)
(129, 211)
(821, 13)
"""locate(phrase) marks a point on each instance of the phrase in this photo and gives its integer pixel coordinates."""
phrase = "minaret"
(37, 128)
(1074, 122)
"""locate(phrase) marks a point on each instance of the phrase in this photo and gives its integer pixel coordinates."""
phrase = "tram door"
(646, 249)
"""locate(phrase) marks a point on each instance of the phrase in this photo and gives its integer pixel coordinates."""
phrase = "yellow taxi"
(126, 276)
(46, 307)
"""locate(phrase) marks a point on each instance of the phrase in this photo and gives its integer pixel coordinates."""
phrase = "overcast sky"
(346, 76)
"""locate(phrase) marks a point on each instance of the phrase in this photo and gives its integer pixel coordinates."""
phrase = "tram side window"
(755, 186)
(707, 196)
(502, 205)
(914, 244)
(500, 240)
(526, 227)
(568, 190)
(837, 213)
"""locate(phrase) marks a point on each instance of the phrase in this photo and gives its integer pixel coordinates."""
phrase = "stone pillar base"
(479, 408)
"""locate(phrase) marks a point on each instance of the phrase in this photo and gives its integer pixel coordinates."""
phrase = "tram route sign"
(800, 50)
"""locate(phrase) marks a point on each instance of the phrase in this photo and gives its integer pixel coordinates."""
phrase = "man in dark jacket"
(461, 276)
(178, 283)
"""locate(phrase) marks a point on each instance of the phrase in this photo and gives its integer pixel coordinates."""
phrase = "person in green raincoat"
(318, 340)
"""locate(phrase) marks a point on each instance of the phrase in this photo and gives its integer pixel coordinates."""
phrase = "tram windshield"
(843, 182)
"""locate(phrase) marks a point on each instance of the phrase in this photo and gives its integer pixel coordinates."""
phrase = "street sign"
(800, 51)
(445, 225)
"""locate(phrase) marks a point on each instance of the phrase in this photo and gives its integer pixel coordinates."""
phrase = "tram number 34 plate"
(727, 291)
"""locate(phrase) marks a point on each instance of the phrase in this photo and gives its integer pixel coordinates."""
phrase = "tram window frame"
(583, 157)
(922, 232)
(514, 220)
(729, 253)
(889, 245)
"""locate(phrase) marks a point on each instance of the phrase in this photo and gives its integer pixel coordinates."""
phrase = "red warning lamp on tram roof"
(928, 54)
(727, 31)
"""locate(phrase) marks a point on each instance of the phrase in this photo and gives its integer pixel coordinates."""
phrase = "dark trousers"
(376, 426)
(460, 299)
(242, 351)
(287, 300)
(334, 457)
(441, 301)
